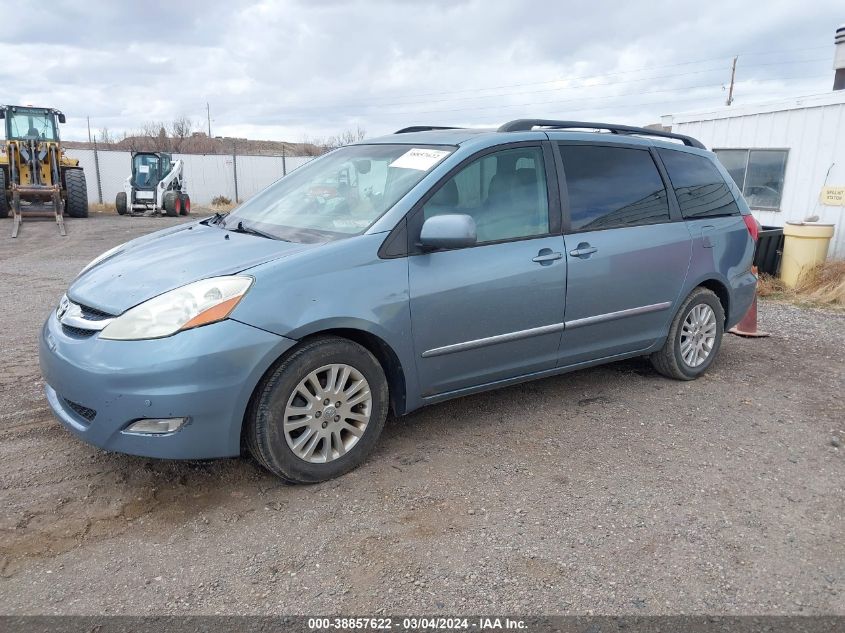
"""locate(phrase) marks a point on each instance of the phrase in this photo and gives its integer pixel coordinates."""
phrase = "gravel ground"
(610, 490)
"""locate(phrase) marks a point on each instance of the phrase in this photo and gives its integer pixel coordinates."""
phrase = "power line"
(621, 72)
(578, 99)
(575, 99)
(373, 104)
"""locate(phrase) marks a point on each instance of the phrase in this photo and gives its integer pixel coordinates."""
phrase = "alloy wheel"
(327, 413)
(698, 335)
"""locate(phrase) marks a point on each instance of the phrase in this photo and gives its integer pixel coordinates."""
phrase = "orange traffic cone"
(748, 326)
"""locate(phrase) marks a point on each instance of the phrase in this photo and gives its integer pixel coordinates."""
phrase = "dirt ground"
(610, 490)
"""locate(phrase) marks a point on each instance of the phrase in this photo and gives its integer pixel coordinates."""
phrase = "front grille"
(92, 314)
(82, 411)
(77, 332)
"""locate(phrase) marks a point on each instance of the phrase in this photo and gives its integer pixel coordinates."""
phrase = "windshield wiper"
(216, 218)
(249, 230)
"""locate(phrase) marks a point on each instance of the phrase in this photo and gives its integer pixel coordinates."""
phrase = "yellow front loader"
(35, 175)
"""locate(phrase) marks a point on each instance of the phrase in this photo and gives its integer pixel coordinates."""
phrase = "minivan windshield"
(339, 194)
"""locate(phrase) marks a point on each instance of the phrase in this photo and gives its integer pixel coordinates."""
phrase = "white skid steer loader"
(157, 185)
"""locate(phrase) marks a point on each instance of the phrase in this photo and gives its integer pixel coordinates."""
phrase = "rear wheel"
(120, 203)
(76, 203)
(186, 204)
(319, 412)
(694, 338)
(171, 200)
(4, 201)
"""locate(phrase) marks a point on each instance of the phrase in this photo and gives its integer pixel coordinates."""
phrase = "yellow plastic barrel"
(804, 247)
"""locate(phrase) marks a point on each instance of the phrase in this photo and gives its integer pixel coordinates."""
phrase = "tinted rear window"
(700, 188)
(612, 187)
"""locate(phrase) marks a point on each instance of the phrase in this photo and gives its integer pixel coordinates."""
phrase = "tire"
(120, 203)
(265, 435)
(76, 202)
(4, 201)
(186, 204)
(171, 199)
(670, 360)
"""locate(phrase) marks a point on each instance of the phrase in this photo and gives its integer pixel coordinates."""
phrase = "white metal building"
(787, 157)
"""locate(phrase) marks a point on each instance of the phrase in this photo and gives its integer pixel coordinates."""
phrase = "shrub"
(221, 201)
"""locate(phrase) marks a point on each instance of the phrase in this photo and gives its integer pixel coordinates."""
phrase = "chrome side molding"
(493, 340)
(621, 314)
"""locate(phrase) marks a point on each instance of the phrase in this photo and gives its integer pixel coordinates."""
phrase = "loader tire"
(4, 201)
(172, 204)
(120, 203)
(76, 203)
(186, 204)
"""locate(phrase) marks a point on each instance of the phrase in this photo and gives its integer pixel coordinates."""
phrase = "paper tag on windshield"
(144, 169)
(420, 159)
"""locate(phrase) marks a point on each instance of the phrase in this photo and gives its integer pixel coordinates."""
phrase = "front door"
(495, 310)
(627, 255)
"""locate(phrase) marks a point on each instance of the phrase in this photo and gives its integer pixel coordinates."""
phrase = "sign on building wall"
(833, 196)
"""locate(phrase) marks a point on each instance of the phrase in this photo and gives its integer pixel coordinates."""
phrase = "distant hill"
(201, 143)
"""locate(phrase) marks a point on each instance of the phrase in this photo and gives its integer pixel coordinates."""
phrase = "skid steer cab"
(36, 177)
(157, 185)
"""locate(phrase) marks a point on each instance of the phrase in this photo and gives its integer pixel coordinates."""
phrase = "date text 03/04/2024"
(416, 623)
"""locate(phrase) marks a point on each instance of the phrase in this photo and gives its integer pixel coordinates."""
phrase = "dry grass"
(101, 208)
(824, 285)
(222, 208)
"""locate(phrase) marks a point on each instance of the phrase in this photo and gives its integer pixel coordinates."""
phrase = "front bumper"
(97, 387)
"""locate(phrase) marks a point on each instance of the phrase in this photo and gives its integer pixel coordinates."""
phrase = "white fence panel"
(115, 168)
(256, 172)
(208, 176)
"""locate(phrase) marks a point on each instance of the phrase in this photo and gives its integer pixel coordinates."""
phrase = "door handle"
(546, 256)
(583, 250)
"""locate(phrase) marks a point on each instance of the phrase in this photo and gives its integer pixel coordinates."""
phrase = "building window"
(758, 173)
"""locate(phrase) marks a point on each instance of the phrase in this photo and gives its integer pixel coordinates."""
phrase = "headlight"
(100, 258)
(199, 303)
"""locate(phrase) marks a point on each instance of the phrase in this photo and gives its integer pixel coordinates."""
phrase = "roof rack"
(424, 128)
(529, 124)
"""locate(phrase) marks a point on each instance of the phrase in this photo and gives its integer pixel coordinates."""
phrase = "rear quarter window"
(698, 185)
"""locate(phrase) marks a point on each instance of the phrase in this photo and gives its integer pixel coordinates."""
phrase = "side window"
(505, 193)
(612, 187)
(700, 188)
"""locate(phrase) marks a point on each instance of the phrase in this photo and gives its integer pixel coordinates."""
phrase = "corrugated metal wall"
(207, 175)
(815, 138)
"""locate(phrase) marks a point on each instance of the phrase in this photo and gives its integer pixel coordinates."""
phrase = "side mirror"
(453, 230)
(61, 117)
(2, 114)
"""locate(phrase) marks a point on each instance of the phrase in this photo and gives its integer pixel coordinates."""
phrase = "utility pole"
(731, 89)
(89, 128)
(208, 115)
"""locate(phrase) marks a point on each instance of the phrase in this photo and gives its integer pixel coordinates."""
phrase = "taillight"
(752, 226)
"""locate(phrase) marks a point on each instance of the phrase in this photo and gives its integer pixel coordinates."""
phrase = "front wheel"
(172, 204)
(120, 203)
(318, 413)
(186, 204)
(694, 338)
(76, 203)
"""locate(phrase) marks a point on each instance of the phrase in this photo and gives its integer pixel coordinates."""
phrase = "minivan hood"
(151, 265)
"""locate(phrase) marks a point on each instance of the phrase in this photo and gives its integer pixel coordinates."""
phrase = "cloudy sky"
(287, 70)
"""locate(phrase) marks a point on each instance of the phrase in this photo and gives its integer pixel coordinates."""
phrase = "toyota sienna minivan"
(395, 273)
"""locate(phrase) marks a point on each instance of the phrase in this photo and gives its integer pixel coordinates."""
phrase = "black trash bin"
(769, 250)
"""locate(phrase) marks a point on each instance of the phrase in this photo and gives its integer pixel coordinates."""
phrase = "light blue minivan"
(395, 273)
